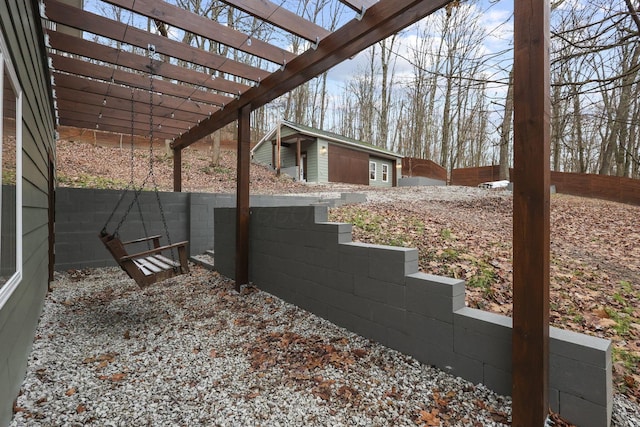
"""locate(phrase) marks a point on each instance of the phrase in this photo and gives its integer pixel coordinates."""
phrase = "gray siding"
(378, 182)
(263, 155)
(19, 316)
(322, 160)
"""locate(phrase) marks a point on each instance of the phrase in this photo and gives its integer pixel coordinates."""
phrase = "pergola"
(195, 92)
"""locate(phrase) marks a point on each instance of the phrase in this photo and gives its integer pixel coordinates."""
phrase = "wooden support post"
(242, 194)
(299, 158)
(530, 350)
(177, 169)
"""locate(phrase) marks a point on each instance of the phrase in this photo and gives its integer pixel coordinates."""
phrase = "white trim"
(374, 170)
(12, 283)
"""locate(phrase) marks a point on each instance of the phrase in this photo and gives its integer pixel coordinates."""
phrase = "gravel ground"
(191, 351)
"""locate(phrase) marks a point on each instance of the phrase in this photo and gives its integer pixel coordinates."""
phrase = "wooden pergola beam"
(95, 92)
(136, 80)
(95, 24)
(62, 42)
(205, 27)
(531, 213)
(383, 19)
(280, 17)
(114, 128)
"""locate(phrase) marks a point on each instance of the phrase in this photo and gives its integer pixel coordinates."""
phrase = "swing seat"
(148, 266)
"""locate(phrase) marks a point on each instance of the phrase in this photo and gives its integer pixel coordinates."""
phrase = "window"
(385, 173)
(11, 189)
(372, 171)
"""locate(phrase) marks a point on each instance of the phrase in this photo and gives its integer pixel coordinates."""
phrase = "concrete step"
(206, 260)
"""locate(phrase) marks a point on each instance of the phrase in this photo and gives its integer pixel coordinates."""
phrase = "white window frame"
(373, 173)
(385, 172)
(6, 64)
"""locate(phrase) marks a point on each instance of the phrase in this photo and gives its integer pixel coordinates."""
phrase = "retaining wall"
(377, 292)
(81, 214)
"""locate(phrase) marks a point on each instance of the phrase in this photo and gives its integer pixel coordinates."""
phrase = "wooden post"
(242, 194)
(299, 158)
(278, 145)
(530, 350)
(177, 169)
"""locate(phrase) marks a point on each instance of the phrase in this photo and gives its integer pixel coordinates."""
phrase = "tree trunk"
(505, 132)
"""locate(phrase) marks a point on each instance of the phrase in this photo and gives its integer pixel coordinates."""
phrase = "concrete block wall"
(378, 292)
(81, 214)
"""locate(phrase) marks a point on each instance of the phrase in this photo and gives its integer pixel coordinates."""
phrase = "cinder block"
(353, 259)
(490, 348)
(430, 330)
(580, 379)
(581, 347)
(340, 281)
(400, 341)
(350, 303)
(311, 304)
(498, 380)
(434, 298)
(490, 324)
(377, 290)
(389, 316)
(392, 264)
(447, 360)
(363, 327)
(582, 412)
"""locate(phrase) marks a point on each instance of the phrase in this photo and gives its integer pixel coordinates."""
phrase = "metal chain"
(151, 153)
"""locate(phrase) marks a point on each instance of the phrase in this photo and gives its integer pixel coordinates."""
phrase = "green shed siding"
(378, 182)
(323, 160)
(19, 315)
(263, 155)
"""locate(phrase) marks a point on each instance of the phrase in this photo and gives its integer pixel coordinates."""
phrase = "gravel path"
(191, 351)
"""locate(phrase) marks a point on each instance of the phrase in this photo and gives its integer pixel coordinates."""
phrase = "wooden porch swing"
(157, 262)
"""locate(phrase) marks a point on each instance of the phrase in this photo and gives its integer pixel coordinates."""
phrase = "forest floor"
(595, 254)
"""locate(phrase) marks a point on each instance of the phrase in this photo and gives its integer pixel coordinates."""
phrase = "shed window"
(385, 173)
(372, 171)
(11, 190)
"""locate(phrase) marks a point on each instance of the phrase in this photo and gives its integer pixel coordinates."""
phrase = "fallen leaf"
(71, 391)
(430, 418)
(81, 408)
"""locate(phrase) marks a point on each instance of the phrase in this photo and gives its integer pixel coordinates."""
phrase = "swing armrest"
(142, 239)
(154, 251)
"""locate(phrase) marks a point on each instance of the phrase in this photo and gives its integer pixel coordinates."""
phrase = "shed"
(313, 155)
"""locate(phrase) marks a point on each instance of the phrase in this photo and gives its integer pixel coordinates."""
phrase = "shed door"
(349, 166)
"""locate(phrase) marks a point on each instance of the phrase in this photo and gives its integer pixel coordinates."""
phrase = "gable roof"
(331, 137)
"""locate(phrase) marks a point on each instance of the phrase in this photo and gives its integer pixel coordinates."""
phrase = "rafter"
(281, 18)
(381, 20)
(70, 44)
(113, 128)
(138, 116)
(204, 27)
(95, 24)
(135, 80)
(117, 97)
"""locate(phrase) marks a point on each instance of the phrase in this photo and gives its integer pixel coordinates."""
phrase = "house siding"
(323, 160)
(378, 182)
(264, 155)
(22, 34)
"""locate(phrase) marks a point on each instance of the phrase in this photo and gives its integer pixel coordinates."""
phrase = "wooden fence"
(471, 177)
(412, 166)
(614, 188)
